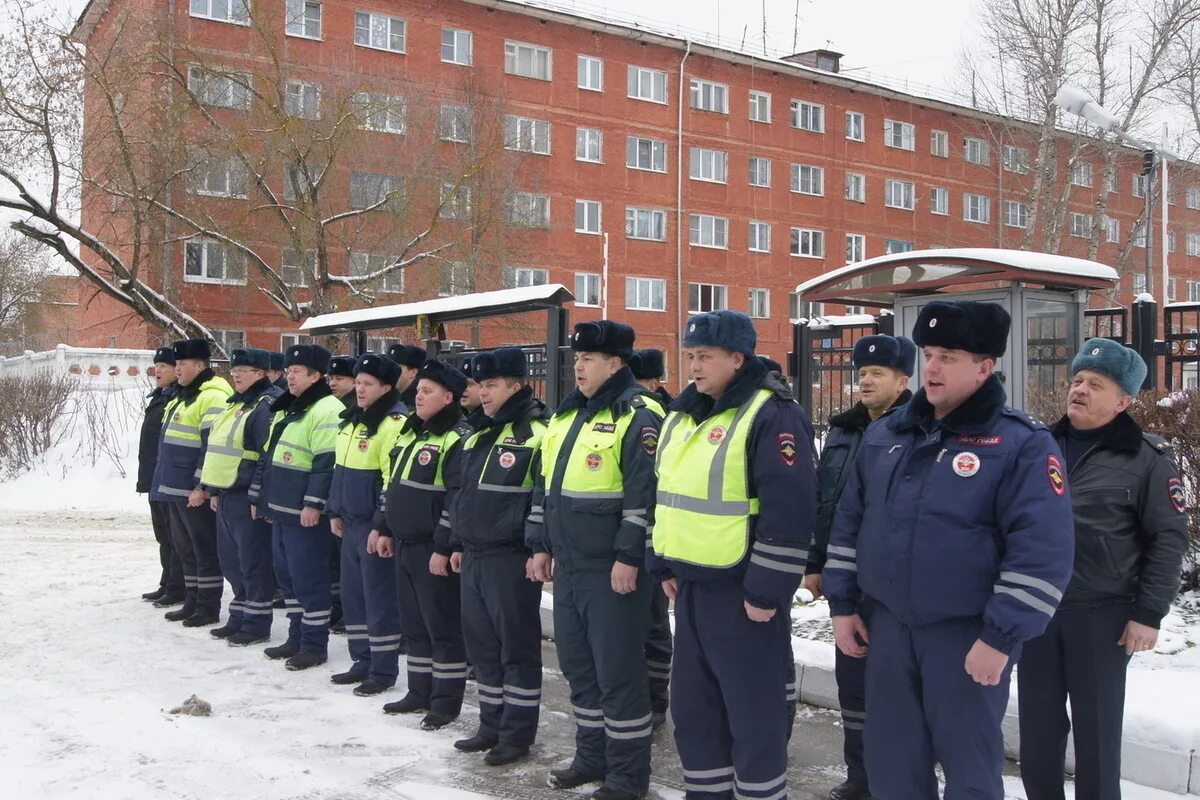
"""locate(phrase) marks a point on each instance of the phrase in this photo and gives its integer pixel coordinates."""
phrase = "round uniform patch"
(716, 435)
(507, 459)
(594, 461)
(1175, 492)
(1054, 471)
(287, 457)
(363, 445)
(966, 465)
(424, 457)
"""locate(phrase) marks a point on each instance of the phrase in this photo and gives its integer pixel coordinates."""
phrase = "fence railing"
(92, 364)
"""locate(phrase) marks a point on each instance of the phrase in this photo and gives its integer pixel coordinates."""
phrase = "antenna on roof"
(764, 19)
(796, 28)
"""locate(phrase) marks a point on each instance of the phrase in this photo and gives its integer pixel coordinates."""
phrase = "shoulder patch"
(1158, 443)
(1054, 471)
(648, 438)
(1175, 492)
(463, 429)
(787, 448)
(1030, 422)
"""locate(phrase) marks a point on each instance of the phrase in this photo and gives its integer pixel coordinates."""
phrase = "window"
(516, 277)
(587, 289)
(587, 216)
(808, 116)
(529, 210)
(706, 297)
(808, 242)
(228, 340)
(527, 60)
(900, 135)
(899, 194)
(939, 144)
(1193, 290)
(219, 89)
(939, 200)
(294, 269)
(456, 47)
(591, 74)
(1080, 225)
(302, 100)
(807, 179)
(975, 151)
(304, 19)
(977, 207)
(1112, 230)
(385, 113)
(896, 246)
(379, 31)
(1139, 283)
(210, 261)
(1193, 247)
(589, 145)
(856, 248)
(706, 230)
(1110, 181)
(760, 107)
(646, 223)
(1193, 197)
(646, 294)
(454, 123)
(856, 187)
(216, 176)
(287, 340)
(1139, 233)
(456, 202)
(709, 96)
(1139, 185)
(1171, 242)
(856, 126)
(362, 264)
(1081, 174)
(648, 84)
(760, 304)
(296, 182)
(371, 189)
(760, 237)
(760, 171)
(647, 154)
(1016, 214)
(235, 11)
(454, 278)
(527, 135)
(709, 165)
(1015, 159)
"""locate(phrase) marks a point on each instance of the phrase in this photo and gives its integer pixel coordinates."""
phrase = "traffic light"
(1148, 162)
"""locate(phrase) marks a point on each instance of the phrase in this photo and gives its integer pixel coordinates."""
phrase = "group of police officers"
(952, 536)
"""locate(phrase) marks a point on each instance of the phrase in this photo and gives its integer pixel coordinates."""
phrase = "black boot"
(338, 627)
(183, 612)
(223, 632)
(348, 677)
(657, 719)
(305, 660)
(201, 619)
(277, 601)
(476, 744)
(850, 789)
(168, 600)
(409, 704)
(152, 596)
(241, 639)
(504, 754)
(608, 793)
(571, 778)
(285, 650)
(436, 720)
(371, 687)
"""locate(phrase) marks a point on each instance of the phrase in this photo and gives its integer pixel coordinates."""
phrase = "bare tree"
(25, 278)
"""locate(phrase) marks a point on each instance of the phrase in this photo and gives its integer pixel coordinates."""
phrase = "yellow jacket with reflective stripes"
(187, 420)
(363, 444)
(298, 464)
(236, 440)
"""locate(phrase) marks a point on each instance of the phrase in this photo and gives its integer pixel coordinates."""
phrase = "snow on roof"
(843, 321)
(1144, 297)
(443, 309)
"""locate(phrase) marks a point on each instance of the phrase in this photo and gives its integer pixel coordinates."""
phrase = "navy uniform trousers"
(502, 627)
(301, 560)
(369, 605)
(600, 637)
(851, 675)
(431, 619)
(926, 709)
(335, 579)
(244, 550)
(194, 534)
(728, 678)
(1077, 658)
(171, 579)
(658, 650)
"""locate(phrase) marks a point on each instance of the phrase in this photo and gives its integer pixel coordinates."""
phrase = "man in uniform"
(410, 358)
(298, 463)
(648, 368)
(341, 383)
(235, 444)
(588, 533)
(1131, 534)
(275, 372)
(500, 607)
(341, 379)
(414, 528)
(950, 548)
(884, 365)
(188, 417)
(472, 408)
(170, 582)
(732, 521)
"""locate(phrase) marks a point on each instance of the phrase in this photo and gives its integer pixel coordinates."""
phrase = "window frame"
(515, 135)
(907, 131)
(941, 209)
(753, 238)
(457, 115)
(797, 116)
(980, 202)
(655, 75)
(939, 143)
(858, 179)
(1022, 216)
(755, 98)
(637, 283)
(649, 216)
(715, 290)
(470, 36)
(536, 211)
(696, 231)
(976, 151)
(515, 277)
(891, 183)
(230, 20)
(583, 73)
(297, 91)
(856, 242)
(697, 157)
(512, 59)
(290, 17)
(374, 103)
(200, 86)
(634, 143)
(861, 126)
(1014, 159)
(385, 283)
(797, 179)
(228, 255)
(718, 93)
(764, 296)
(588, 279)
(583, 141)
(588, 206)
(796, 242)
(370, 29)
(760, 161)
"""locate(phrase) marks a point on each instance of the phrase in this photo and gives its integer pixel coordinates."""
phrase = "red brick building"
(716, 178)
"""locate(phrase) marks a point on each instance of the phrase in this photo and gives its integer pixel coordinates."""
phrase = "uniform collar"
(857, 418)
(605, 396)
(372, 415)
(746, 381)
(442, 422)
(255, 391)
(309, 397)
(192, 390)
(977, 414)
(1122, 434)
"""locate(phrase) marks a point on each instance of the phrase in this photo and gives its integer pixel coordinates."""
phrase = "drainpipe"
(681, 313)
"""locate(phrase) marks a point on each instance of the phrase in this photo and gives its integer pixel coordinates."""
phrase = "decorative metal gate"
(1181, 335)
(825, 377)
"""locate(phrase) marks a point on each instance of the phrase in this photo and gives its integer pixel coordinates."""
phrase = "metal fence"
(535, 356)
(825, 377)
(1181, 340)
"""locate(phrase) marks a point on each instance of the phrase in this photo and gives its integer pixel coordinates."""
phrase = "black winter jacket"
(151, 431)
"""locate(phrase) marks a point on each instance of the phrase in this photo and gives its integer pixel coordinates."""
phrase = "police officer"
(410, 358)
(414, 528)
(732, 522)
(884, 365)
(648, 368)
(298, 468)
(170, 582)
(341, 383)
(590, 505)
(950, 548)
(500, 607)
(341, 379)
(368, 432)
(1130, 537)
(235, 444)
(188, 417)
(472, 408)
(275, 372)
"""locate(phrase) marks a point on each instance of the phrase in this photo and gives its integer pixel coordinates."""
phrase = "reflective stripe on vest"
(703, 509)
(226, 451)
(317, 428)
(411, 446)
(593, 469)
(503, 457)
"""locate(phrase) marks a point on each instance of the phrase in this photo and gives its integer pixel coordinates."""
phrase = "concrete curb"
(1142, 763)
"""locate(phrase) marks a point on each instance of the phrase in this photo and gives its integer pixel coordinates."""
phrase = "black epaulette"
(1159, 444)
(463, 429)
(1030, 422)
(638, 401)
